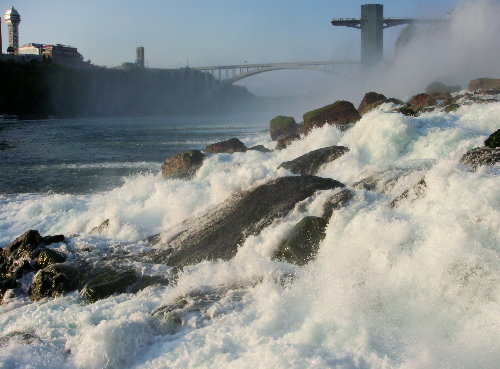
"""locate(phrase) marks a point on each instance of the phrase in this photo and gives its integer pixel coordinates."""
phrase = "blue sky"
(200, 32)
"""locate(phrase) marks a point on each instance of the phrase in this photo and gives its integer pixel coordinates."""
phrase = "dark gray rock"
(309, 164)
(48, 257)
(49, 240)
(282, 126)
(182, 166)
(107, 283)
(25, 338)
(228, 146)
(218, 235)
(260, 148)
(337, 201)
(100, 228)
(481, 156)
(302, 244)
(368, 102)
(26, 243)
(494, 140)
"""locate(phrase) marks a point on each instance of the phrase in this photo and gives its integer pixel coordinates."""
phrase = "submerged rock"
(414, 193)
(439, 88)
(101, 228)
(25, 338)
(107, 283)
(337, 201)
(182, 166)
(282, 126)
(494, 140)
(481, 156)
(309, 164)
(341, 114)
(260, 148)
(368, 102)
(302, 244)
(218, 234)
(285, 141)
(228, 146)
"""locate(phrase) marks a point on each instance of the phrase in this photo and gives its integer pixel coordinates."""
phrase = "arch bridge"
(217, 77)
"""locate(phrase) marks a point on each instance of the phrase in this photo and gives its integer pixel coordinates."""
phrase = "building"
(140, 56)
(30, 49)
(12, 18)
(63, 55)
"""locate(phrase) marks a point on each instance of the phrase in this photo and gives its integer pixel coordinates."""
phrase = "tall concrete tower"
(140, 56)
(12, 18)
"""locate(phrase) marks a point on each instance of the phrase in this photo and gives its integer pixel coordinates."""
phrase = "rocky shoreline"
(30, 265)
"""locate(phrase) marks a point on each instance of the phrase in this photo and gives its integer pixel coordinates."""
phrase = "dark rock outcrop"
(406, 110)
(420, 101)
(218, 235)
(369, 99)
(282, 126)
(494, 140)
(107, 283)
(48, 257)
(302, 244)
(484, 84)
(228, 146)
(481, 156)
(309, 164)
(260, 148)
(182, 166)
(285, 141)
(441, 88)
(56, 280)
(337, 201)
(412, 194)
(341, 114)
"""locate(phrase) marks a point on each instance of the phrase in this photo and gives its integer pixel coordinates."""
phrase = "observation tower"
(372, 24)
(12, 18)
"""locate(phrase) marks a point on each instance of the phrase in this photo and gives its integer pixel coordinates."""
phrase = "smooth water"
(411, 287)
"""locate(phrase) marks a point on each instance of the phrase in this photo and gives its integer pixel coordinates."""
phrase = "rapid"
(408, 287)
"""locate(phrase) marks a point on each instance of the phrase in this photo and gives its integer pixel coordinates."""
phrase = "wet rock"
(282, 126)
(380, 182)
(336, 202)
(20, 337)
(440, 88)
(481, 156)
(420, 101)
(182, 166)
(341, 114)
(406, 110)
(147, 281)
(219, 233)
(451, 107)
(412, 194)
(101, 228)
(48, 257)
(260, 148)
(494, 140)
(228, 146)
(7, 284)
(302, 244)
(484, 84)
(55, 280)
(369, 99)
(108, 283)
(285, 141)
(49, 240)
(26, 243)
(309, 164)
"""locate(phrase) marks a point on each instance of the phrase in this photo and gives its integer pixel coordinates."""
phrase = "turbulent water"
(410, 287)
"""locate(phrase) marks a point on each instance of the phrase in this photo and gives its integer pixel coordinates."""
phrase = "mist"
(465, 47)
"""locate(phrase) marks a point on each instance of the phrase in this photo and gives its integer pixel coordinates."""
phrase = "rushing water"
(409, 287)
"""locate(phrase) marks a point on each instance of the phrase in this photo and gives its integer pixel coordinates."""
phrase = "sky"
(176, 33)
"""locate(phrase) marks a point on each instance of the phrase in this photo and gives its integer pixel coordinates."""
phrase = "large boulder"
(420, 101)
(282, 126)
(484, 84)
(56, 280)
(369, 99)
(302, 244)
(494, 140)
(286, 141)
(341, 114)
(182, 165)
(309, 164)
(481, 156)
(228, 146)
(107, 283)
(218, 234)
(336, 202)
(26, 243)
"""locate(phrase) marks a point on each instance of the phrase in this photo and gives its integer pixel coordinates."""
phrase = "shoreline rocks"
(342, 114)
(309, 164)
(282, 126)
(226, 147)
(182, 166)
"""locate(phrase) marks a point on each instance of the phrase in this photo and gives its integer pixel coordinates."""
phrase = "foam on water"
(410, 287)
